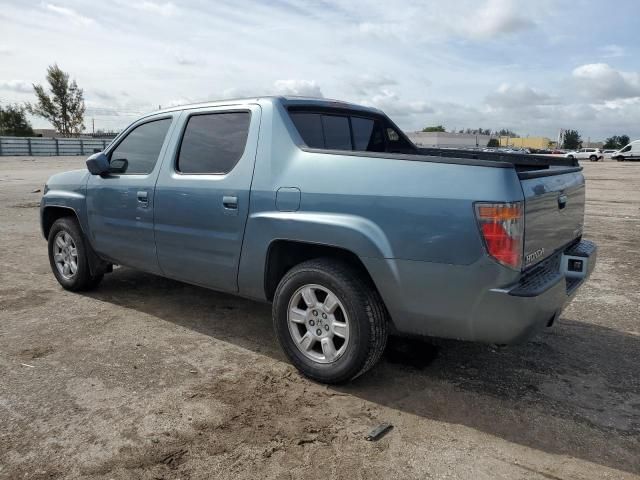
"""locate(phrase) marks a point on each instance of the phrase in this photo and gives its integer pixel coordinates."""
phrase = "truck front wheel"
(68, 256)
(330, 322)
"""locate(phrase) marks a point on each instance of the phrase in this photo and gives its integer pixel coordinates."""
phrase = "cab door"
(202, 195)
(120, 204)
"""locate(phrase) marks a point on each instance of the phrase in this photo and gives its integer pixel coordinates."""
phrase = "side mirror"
(119, 165)
(98, 164)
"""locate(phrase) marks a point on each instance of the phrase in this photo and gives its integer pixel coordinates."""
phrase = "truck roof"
(286, 100)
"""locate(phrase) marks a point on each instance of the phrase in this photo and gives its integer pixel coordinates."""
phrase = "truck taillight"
(502, 228)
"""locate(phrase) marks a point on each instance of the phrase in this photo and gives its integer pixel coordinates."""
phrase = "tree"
(623, 140)
(616, 142)
(437, 128)
(505, 132)
(13, 121)
(572, 140)
(493, 143)
(64, 108)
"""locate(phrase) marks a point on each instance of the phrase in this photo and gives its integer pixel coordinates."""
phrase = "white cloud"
(305, 88)
(70, 14)
(185, 60)
(612, 51)
(293, 87)
(101, 94)
(599, 81)
(165, 9)
(416, 22)
(366, 83)
(497, 17)
(18, 86)
(393, 105)
(176, 102)
(518, 96)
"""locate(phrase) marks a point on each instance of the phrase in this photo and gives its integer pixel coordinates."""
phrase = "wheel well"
(283, 255)
(51, 214)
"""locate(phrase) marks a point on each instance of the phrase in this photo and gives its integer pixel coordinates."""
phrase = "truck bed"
(522, 161)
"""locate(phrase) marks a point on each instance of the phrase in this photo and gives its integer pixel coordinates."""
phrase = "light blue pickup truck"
(328, 211)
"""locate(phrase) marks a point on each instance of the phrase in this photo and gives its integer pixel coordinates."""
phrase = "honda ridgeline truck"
(329, 212)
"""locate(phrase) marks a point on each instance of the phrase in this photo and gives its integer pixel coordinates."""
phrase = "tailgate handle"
(562, 201)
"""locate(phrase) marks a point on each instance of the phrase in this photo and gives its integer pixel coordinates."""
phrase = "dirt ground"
(151, 378)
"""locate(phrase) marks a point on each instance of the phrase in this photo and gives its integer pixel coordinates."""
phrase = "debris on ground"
(378, 432)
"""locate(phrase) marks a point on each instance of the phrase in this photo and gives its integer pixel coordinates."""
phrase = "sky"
(531, 66)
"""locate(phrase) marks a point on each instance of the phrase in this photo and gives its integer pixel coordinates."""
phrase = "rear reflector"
(502, 227)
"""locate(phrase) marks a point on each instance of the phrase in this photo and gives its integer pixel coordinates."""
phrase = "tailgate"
(554, 211)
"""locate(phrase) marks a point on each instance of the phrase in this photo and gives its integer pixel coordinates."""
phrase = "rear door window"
(213, 143)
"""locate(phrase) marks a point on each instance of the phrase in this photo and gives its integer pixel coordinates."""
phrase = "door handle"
(230, 202)
(143, 198)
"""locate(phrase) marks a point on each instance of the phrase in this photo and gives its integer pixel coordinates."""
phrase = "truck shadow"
(575, 382)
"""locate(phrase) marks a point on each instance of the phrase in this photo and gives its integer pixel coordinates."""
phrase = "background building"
(527, 142)
(448, 140)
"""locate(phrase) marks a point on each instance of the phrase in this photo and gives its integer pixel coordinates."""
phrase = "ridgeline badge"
(533, 256)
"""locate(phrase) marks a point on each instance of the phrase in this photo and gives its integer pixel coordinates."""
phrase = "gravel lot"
(151, 378)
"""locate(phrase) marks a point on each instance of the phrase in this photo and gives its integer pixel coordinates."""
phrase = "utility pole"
(93, 126)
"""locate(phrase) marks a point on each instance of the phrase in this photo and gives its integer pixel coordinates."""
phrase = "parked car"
(329, 212)
(608, 153)
(629, 152)
(593, 154)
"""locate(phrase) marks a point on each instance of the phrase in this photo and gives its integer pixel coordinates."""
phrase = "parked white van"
(630, 152)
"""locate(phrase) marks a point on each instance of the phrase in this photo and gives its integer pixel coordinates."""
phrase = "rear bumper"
(535, 301)
(456, 301)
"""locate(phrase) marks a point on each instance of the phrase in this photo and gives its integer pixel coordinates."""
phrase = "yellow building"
(527, 142)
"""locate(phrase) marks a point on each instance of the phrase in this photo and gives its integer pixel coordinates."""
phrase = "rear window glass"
(309, 126)
(367, 134)
(337, 135)
(213, 143)
(340, 132)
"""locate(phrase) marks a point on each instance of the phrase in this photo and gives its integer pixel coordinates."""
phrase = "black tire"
(367, 318)
(571, 157)
(82, 278)
(593, 158)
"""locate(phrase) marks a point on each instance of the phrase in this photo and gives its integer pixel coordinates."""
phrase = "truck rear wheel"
(330, 322)
(68, 256)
